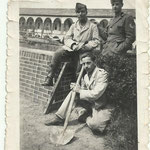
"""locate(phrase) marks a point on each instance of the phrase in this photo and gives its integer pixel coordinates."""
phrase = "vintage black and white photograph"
(78, 75)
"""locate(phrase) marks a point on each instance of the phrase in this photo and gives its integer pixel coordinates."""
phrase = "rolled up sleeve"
(68, 39)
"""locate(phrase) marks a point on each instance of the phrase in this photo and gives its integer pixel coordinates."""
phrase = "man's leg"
(74, 64)
(60, 115)
(99, 120)
(62, 111)
(56, 60)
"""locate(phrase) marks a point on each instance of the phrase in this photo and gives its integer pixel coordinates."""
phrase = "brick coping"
(37, 51)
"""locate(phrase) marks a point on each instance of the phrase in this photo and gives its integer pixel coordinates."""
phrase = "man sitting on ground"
(90, 96)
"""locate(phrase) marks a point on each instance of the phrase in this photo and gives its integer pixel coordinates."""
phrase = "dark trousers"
(62, 55)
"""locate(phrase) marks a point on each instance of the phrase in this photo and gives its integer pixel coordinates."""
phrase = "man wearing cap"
(120, 32)
(90, 97)
(83, 34)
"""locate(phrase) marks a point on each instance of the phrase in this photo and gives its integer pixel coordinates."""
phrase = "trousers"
(63, 108)
(63, 55)
(97, 121)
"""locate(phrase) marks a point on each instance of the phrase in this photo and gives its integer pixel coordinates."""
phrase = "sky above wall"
(101, 4)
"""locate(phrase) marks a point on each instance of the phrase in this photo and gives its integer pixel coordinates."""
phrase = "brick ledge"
(37, 51)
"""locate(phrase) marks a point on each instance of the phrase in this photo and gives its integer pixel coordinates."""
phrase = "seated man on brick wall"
(120, 32)
(82, 34)
(90, 97)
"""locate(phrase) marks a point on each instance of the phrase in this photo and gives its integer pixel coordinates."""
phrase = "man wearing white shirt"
(90, 96)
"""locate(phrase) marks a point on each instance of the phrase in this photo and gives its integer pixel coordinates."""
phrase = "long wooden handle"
(72, 100)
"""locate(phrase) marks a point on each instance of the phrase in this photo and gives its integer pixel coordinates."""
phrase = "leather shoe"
(54, 121)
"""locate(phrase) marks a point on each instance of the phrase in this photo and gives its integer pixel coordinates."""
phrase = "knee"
(96, 126)
(58, 53)
(99, 120)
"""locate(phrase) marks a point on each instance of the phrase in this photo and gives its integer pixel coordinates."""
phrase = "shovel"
(64, 136)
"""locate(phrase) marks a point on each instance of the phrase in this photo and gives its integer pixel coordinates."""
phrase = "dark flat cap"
(79, 6)
(120, 1)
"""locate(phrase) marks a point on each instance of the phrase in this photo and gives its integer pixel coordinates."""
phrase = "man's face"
(117, 7)
(81, 14)
(88, 64)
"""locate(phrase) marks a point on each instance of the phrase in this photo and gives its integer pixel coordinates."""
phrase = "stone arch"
(38, 27)
(30, 23)
(67, 23)
(57, 24)
(38, 23)
(47, 28)
(22, 23)
(103, 23)
(47, 24)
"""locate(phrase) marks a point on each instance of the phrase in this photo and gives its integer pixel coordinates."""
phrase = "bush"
(122, 132)
(121, 90)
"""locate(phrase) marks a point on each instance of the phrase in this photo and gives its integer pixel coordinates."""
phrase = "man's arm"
(95, 39)
(103, 32)
(129, 34)
(68, 39)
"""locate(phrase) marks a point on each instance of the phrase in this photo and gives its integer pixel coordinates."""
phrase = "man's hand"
(85, 48)
(75, 88)
(72, 85)
(75, 47)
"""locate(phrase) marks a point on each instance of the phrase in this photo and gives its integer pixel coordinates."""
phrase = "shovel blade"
(58, 138)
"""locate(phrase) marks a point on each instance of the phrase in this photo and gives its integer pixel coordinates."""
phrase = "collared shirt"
(94, 88)
(88, 34)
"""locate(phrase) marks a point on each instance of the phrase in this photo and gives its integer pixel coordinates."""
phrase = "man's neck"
(117, 14)
(90, 73)
(83, 22)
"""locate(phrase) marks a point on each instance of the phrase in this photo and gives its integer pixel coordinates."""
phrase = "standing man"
(90, 96)
(120, 32)
(83, 34)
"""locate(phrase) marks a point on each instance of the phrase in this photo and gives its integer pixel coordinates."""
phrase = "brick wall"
(33, 70)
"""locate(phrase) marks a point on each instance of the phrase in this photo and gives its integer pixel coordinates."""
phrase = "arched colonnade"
(43, 26)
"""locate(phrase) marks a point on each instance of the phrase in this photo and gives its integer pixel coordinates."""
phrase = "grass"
(122, 131)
